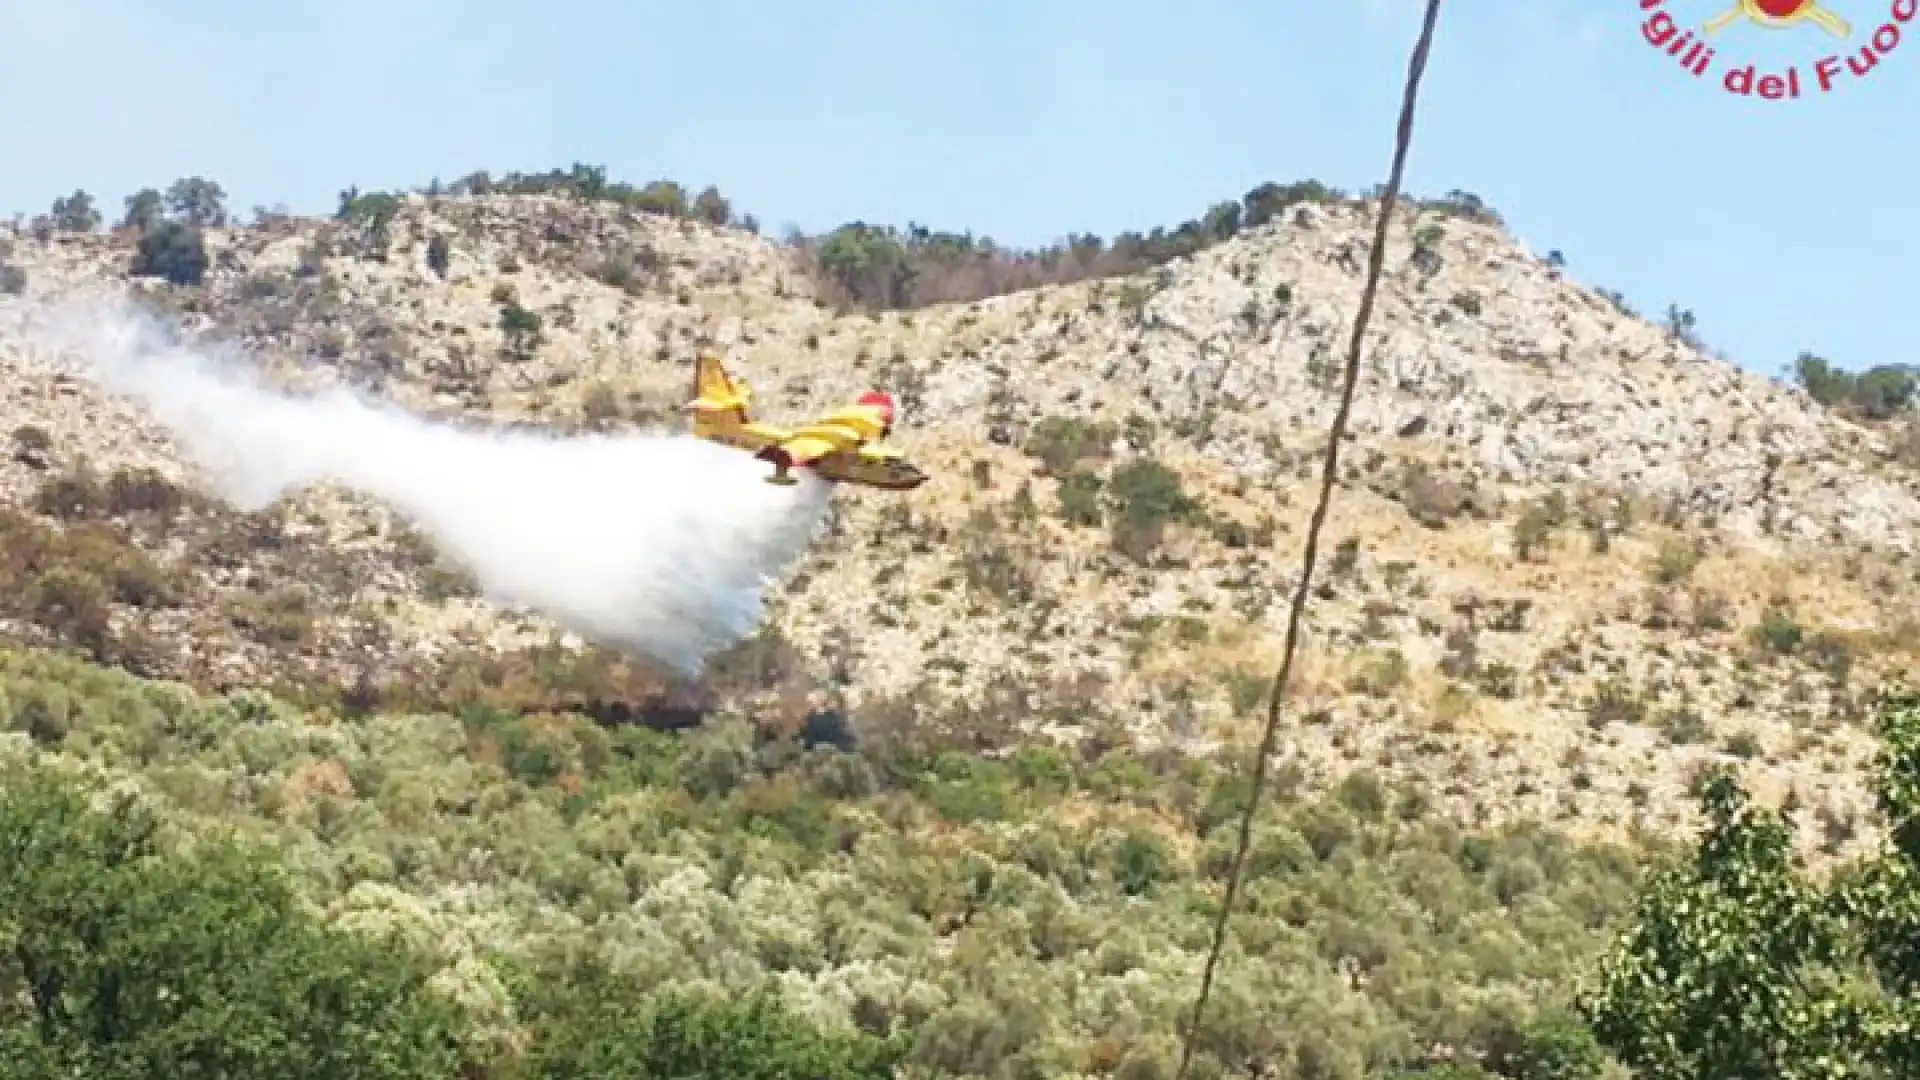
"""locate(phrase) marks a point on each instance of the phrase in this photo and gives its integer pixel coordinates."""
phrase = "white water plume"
(659, 545)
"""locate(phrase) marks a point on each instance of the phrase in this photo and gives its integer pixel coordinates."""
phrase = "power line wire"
(1376, 259)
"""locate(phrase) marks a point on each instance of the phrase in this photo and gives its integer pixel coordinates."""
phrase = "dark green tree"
(439, 255)
(1741, 966)
(1681, 323)
(119, 960)
(1823, 382)
(173, 250)
(1267, 201)
(1880, 900)
(1144, 498)
(146, 208)
(76, 213)
(869, 264)
(371, 214)
(661, 197)
(712, 207)
(589, 181)
(1879, 393)
(1222, 222)
(198, 201)
(520, 330)
(1883, 392)
(1551, 1046)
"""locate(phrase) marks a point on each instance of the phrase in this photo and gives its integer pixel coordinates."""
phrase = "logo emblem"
(1779, 15)
(1847, 58)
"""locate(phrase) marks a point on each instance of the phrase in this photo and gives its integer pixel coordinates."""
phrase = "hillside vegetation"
(234, 882)
(1034, 914)
(286, 795)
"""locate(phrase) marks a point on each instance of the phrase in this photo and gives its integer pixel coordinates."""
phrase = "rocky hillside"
(1573, 555)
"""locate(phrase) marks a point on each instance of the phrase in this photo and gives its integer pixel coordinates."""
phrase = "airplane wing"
(815, 441)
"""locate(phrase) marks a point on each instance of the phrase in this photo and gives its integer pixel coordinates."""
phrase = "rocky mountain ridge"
(1573, 555)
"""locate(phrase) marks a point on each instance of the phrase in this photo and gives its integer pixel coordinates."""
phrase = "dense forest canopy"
(232, 881)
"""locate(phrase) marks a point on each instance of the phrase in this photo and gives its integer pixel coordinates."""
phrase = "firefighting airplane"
(841, 447)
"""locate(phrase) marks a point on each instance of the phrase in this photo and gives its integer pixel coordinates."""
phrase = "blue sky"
(1782, 225)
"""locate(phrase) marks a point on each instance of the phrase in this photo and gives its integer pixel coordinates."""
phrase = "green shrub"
(1144, 498)
(620, 1030)
(1063, 442)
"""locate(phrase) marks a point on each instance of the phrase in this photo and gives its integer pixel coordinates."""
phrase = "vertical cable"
(1376, 259)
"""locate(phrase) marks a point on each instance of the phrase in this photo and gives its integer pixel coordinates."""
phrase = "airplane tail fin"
(717, 399)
